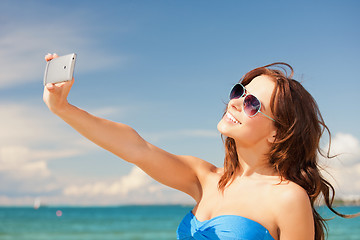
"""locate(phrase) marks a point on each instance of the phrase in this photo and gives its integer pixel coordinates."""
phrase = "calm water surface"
(124, 222)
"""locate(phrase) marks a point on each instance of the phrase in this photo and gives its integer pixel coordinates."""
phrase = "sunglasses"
(251, 105)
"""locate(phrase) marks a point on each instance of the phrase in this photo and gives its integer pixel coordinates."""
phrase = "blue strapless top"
(224, 227)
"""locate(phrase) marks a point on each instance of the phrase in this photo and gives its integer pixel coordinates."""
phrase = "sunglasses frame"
(245, 94)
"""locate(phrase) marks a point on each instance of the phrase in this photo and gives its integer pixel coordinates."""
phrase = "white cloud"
(135, 180)
(344, 170)
(136, 188)
(348, 148)
(17, 161)
(29, 139)
(29, 125)
(22, 162)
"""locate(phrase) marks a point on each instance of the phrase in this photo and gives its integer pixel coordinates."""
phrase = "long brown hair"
(294, 153)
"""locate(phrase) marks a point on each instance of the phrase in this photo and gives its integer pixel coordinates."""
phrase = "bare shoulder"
(291, 197)
(293, 212)
(291, 194)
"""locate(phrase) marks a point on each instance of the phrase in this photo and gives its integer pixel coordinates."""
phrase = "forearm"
(117, 138)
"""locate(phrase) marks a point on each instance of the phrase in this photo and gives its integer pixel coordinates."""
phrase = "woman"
(270, 179)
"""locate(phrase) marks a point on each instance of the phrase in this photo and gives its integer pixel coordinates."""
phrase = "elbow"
(137, 149)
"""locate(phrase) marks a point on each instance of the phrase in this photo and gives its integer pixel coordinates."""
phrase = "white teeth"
(231, 117)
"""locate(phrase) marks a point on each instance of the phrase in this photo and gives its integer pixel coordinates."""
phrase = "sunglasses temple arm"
(267, 116)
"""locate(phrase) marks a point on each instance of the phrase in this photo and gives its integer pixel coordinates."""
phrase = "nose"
(236, 103)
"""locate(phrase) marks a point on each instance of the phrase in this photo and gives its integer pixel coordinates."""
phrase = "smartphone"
(60, 69)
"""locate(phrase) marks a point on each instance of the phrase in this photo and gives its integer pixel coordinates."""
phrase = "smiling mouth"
(232, 118)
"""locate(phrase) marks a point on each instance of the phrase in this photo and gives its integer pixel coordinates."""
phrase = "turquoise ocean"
(123, 222)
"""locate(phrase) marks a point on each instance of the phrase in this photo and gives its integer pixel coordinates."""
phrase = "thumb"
(54, 88)
(50, 87)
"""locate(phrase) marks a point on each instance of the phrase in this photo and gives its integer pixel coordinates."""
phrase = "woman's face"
(250, 131)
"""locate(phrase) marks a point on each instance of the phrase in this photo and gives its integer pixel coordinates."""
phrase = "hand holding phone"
(58, 80)
(60, 69)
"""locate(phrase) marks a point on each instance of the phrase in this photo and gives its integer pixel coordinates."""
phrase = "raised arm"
(184, 173)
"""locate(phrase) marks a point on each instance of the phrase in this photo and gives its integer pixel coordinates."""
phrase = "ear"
(272, 136)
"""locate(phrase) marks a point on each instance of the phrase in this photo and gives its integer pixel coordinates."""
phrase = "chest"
(249, 199)
(237, 198)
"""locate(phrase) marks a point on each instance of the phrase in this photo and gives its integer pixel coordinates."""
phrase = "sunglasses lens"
(251, 105)
(237, 91)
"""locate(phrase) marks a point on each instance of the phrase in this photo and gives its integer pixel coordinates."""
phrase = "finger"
(50, 86)
(50, 56)
(60, 84)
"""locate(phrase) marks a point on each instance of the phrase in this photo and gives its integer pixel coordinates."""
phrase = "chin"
(223, 128)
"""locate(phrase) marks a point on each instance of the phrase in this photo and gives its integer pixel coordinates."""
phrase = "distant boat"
(37, 203)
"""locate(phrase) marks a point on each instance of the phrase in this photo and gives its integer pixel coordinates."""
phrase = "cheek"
(257, 131)
(251, 132)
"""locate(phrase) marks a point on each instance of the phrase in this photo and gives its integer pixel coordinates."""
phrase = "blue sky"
(165, 68)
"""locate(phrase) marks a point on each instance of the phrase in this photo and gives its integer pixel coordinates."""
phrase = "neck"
(253, 160)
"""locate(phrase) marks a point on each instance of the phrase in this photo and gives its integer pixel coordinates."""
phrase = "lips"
(231, 118)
